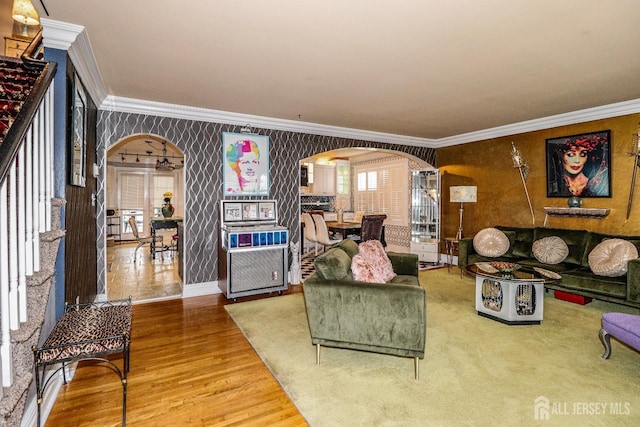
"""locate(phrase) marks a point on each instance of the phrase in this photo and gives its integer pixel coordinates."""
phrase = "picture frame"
(267, 210)
(232, 212)
(579, 165)
(78, 134)
(249, 211)
(245, 159)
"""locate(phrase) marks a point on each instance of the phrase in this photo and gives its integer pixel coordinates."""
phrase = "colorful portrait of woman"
(578, 165)
(246, 167)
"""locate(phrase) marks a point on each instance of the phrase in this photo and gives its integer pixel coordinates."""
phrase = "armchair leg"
(606, 341)
(317, 354)
(417, 367)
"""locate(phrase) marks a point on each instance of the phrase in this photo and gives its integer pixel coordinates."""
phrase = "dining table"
(162, 224)
(346, 229)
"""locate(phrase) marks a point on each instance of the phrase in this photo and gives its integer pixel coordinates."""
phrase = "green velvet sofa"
(387, 318)
(577, 277)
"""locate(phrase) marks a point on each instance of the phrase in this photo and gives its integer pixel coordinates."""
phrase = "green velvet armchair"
(388, 318)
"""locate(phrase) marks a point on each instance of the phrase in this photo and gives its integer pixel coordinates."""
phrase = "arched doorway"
(332, 176)
(142, 170)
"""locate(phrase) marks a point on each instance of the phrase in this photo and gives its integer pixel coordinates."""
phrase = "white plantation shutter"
(132, 191)
(383, 188)
(162, 184)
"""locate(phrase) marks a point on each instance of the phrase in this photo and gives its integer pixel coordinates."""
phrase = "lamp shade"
(464, 194)
(25, 13)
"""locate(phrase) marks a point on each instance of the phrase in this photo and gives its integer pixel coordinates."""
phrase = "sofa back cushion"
(334, 264)
(576, 241)
(521, 241)
(349, 246)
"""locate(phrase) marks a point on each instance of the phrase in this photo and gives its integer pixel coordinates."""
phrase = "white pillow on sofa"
(550, 250)
(491, 242)
(611, 256)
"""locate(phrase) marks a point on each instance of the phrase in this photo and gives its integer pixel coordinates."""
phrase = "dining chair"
(322, 233)
(145, 239)
(310, 230)
(372, 227)
(357, 217)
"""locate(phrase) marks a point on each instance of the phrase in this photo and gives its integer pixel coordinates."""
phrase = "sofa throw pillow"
(363, 271)
(491, 242)
(550, 250)
(379, 263)
(610, 257)
(333, 264)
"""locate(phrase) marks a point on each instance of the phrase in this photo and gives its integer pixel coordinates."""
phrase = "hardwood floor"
(190, 365)
(145, 279)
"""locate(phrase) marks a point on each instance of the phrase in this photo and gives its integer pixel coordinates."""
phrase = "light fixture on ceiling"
(25, 13)
(164, 164)
(137, 159)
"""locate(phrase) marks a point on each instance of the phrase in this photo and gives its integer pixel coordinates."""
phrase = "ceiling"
(420, 68)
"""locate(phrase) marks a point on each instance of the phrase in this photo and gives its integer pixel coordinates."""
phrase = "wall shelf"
(596, 213)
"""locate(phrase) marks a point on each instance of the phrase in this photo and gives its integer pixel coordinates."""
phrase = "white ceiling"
(420, 68)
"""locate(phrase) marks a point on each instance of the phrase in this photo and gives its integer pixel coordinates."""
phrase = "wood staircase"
(30, 220)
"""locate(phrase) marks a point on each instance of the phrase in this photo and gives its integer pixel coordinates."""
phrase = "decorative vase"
(167, 210)
(574, 202)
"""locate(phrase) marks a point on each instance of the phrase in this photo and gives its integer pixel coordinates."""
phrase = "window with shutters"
(383, 188)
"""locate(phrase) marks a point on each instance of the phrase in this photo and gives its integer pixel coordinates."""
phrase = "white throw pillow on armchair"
(491, 242)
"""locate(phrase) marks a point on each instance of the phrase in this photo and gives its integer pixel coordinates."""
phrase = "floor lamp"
(463, 194)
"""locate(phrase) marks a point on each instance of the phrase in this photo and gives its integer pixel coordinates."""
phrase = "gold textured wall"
(501, 197)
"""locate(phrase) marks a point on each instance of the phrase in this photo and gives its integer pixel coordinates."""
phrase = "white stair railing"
(25, 212)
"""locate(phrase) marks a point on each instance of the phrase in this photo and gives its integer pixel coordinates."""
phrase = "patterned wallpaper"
(201, 143)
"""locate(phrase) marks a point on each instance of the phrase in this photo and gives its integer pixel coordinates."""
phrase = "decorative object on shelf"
(635, 152)
(24, 12)
(579, 165)
(167, 207)
(463, 194)
(574, 202)
(523, 169)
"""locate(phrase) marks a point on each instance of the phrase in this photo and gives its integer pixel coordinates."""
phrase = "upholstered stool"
(624, 327)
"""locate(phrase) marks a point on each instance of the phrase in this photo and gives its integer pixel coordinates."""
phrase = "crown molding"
(60, 35)
(579, 116)
(74, 39)
(129, 105)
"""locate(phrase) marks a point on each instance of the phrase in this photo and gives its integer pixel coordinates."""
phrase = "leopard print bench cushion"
(88, 332)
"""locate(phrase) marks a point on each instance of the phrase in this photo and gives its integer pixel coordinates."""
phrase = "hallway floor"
(146, 279)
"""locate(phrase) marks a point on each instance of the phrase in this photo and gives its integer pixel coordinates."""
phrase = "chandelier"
(164, 164)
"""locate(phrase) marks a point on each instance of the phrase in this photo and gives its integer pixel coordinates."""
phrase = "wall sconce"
(25, 13)
(463, 194)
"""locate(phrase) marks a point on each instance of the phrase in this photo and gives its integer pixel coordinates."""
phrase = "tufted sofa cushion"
(550, 250)
(491, 242)
(610, 257)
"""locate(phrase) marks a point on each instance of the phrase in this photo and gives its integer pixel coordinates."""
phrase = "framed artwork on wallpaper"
(245, 159)
(579, 165)
(78, 134)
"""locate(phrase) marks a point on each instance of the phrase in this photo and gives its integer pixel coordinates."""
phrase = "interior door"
(81, 254)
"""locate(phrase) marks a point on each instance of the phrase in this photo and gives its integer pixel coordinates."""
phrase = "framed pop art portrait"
(579, 165)
(245, 159)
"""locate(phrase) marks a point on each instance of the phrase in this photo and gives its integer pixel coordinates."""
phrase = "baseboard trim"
(30, 414)
(200, 289)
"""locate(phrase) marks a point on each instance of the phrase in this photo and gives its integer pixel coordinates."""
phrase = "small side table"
(451, 245)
